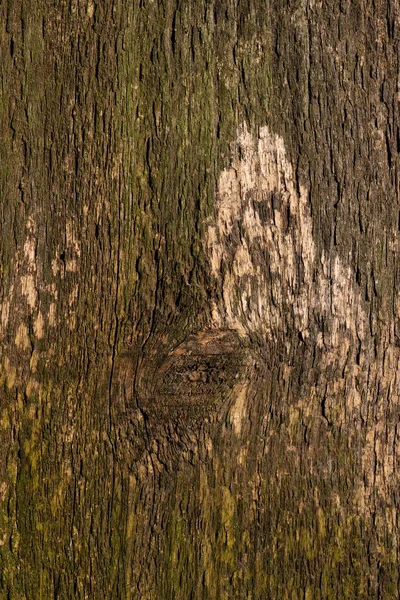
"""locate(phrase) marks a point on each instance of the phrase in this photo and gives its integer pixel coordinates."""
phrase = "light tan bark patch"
(262, 249)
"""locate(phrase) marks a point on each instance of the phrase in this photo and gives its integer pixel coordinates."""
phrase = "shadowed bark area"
(199, 318)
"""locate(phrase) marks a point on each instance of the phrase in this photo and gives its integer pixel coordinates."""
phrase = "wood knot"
(196, 375)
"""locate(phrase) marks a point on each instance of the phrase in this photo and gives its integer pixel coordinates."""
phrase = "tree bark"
(199, 315)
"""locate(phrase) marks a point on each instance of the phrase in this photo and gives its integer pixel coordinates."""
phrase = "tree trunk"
(200, 309)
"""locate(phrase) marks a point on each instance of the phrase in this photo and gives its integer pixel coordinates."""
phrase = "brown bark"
(199, 302)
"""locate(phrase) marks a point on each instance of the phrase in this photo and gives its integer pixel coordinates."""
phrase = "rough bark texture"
(200, 299)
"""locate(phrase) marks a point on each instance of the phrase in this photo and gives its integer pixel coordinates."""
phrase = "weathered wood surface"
(199, 317)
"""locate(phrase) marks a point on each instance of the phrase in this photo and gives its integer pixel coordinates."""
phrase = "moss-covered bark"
(199, 315)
